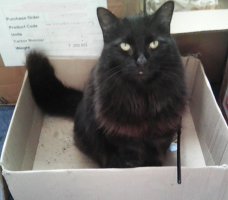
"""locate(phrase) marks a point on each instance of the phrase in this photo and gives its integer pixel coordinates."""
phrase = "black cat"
(133, 101)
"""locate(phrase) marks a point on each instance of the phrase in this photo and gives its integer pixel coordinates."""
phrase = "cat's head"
(138, 48)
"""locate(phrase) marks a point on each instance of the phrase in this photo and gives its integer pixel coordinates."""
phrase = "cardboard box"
(39, 160)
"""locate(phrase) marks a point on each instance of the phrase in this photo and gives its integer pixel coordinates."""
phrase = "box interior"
(40, 142)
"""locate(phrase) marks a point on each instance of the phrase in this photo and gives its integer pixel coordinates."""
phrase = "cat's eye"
(154, 44)
(125, 46)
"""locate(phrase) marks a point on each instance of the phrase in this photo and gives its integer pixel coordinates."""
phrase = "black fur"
(49, 93)
(133, 101)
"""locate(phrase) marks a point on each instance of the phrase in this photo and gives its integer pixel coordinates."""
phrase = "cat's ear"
(164, 14)
(106, 18)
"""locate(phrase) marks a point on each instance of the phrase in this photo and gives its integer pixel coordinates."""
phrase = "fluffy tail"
(49, 93)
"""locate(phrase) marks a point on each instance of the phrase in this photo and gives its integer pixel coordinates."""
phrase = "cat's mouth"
(143, 76)
(141, 73)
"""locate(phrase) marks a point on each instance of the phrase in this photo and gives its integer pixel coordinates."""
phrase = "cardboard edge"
(6, 172)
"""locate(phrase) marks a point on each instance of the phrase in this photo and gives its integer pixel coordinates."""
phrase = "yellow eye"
(154, 44)
(125, 46)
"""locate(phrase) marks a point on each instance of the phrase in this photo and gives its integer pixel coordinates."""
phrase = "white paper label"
(58, 27)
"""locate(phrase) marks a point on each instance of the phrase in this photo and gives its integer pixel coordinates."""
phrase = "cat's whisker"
(111, 75)
(169, 73)
(114, 69)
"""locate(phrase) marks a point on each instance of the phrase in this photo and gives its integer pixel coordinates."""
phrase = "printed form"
(62, 28)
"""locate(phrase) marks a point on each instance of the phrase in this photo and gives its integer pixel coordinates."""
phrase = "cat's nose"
(141, 61)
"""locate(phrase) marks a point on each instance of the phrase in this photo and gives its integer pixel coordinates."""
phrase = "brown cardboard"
(10, 83)
(31, 175)
(123, 8)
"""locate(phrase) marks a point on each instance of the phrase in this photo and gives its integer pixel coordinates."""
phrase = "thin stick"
(178, 156)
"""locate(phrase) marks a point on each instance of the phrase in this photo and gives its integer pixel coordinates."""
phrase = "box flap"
(209, 122)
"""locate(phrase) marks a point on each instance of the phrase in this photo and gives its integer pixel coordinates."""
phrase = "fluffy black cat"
(131, 106)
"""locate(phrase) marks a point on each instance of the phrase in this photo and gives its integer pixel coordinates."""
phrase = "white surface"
(198, 21)
(70, 27)
(59, 27)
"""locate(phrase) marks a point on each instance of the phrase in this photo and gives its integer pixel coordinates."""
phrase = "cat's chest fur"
(124, 111)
